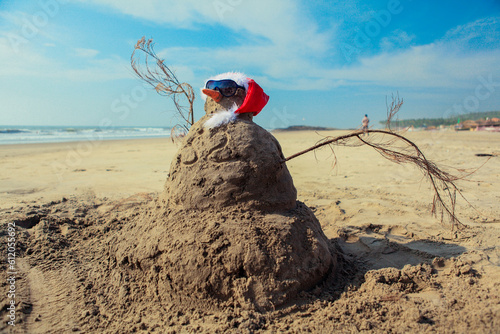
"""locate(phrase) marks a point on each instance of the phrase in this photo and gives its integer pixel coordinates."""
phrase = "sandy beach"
(403, 270)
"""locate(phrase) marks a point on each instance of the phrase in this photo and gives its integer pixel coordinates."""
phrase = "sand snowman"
(228, 227)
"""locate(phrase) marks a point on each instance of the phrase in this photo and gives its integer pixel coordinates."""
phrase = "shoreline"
(83, 141)
(276, 132)
(78, 142)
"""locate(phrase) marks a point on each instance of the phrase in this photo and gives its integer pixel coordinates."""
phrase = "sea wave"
(52, 134)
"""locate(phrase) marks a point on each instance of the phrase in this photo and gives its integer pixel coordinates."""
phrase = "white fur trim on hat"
(221, 117)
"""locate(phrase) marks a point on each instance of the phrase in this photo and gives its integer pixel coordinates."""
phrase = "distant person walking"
(365, 122)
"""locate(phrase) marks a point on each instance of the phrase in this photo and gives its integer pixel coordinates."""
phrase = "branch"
(442, 182)
(163, 80)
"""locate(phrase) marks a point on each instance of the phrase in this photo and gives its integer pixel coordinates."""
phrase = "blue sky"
(67, 62)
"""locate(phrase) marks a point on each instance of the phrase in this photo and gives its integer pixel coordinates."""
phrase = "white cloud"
(280, 21)
(32, 62)
(282, 24)
(86, 53)
(422, 66)
(482, 33)
(111, 68)
(286, 71)
(283, 48)
(29, 26)
(434, 65)
(182, 14)
(294, 54)
(398, 39)
(28, 55)
(18, 63)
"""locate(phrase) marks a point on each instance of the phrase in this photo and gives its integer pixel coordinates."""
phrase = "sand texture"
(105, 244)
(227, 228)
(236, 164)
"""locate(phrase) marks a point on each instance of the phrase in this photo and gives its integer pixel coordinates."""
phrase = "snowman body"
(228, 229)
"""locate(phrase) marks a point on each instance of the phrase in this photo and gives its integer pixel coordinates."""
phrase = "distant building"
(480, 125)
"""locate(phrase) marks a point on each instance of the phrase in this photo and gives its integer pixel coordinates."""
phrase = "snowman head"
(234, 90)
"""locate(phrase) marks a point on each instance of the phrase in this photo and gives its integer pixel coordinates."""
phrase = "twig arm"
(163, 79)
(442, 182)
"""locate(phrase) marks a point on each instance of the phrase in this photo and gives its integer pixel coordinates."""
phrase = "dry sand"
(402, 271)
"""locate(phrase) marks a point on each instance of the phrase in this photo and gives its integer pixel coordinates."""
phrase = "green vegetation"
(424, 122)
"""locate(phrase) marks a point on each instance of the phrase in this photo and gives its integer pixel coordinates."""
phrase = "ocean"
(59, 134)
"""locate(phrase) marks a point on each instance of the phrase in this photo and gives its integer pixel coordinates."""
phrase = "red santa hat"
(255, 99)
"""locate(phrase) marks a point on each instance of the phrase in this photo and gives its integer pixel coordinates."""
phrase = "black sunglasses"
(226, 87)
